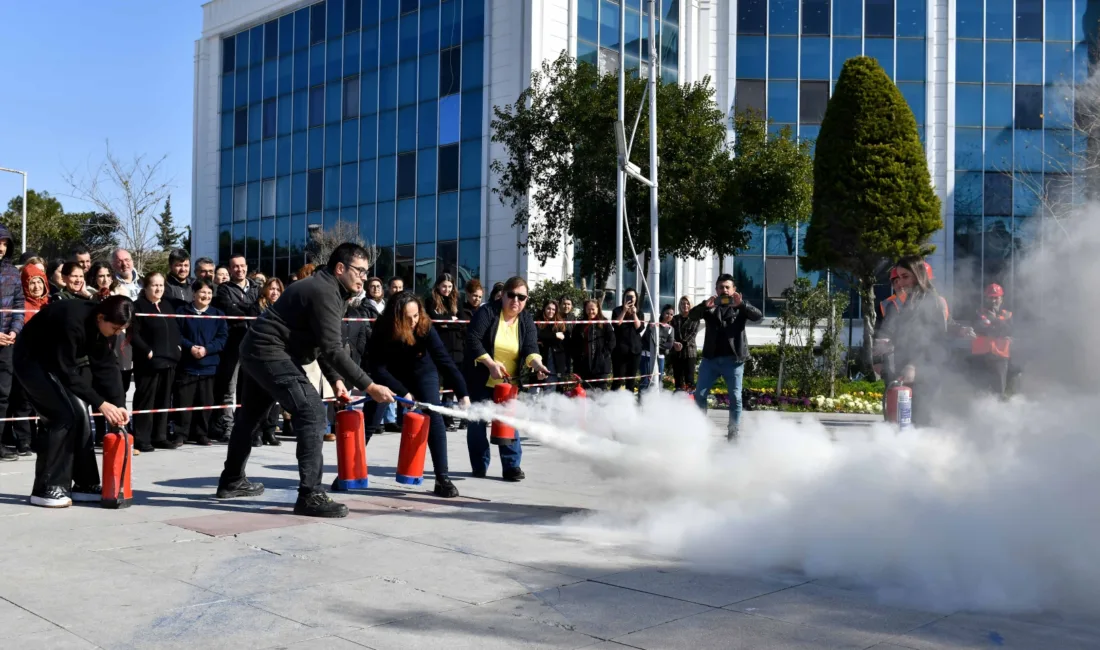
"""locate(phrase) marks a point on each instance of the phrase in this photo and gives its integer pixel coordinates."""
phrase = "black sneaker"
(444, 488)
(145, 449)
(8, 455)
(391, 427)
(87, 493)
(51, 497)
(513, 475)
(270, 439)
(202, 441)
(239, 488)
(732, 435)
(171, 443)
(24, 450)
(477, 473)
(319, 504)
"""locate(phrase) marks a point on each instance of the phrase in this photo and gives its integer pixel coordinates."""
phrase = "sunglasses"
(522, 297)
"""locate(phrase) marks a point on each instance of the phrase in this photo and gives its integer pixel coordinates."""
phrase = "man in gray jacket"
(725, 347)
(303, 325)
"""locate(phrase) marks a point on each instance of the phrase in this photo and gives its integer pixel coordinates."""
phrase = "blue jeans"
(646, 370)
(477, 439)
(733, 371)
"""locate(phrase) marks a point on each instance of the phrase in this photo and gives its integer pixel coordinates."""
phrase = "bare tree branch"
(323, 242)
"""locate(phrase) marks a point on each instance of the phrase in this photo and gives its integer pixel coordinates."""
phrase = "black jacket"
(728, 323)
(481, 338)
(590, 347)
(210, 333)
(658, 338)
(65, 341)
(357, 333)
(628, 339)
(179, 294)
(232, 300)
(398, 365)
(161, 336)
(554, 351)
(305, 324)
(684, 331)
(11, 289)
(453, 335)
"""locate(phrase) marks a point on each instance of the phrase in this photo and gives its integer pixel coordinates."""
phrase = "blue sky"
(80, 72)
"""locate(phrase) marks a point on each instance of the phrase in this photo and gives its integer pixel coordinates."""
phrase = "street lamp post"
(24, 175)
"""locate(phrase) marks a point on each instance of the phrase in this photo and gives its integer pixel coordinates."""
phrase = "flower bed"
(753, 399)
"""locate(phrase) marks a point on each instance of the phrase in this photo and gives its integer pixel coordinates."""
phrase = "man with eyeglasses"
(304, 324)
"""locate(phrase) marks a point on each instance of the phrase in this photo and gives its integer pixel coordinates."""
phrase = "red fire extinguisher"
(118, 456)
(899, 405)
(351, 452)
(500, 433)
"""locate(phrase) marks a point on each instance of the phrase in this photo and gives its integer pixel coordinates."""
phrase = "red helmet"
(893, 274)
(928, 271)
(994, 291)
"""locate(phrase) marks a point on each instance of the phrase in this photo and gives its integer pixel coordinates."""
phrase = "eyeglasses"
(360, 270)
(522, 297)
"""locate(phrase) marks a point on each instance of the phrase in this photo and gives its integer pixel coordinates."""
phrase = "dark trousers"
(7, 374)
(64, 441)
(19, 434)
(100, 423)
(191, 391)
(683, 371)
(425, 388)
(152, 390)
(624, 364)
(225, 391)
(261, 384)
(477, 439)
(925, 398)
(991, 373)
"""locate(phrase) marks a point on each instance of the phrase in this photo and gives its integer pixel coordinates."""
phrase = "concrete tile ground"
(405, 570)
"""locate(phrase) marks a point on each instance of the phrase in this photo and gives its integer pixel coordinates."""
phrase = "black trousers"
(260, 385)
(7, 374)
(152, 390)
(19, 434)
(683, 371)
(64, 441)
(191, 391)
(624, 364)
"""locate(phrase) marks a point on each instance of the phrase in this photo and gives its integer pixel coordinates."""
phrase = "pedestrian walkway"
(492, 570)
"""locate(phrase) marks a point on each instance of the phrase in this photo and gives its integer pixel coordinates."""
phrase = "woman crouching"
(407, 356)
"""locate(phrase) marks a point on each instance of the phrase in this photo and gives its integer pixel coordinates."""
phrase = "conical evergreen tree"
(167, 235)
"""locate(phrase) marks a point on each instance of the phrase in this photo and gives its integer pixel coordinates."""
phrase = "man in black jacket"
(233, 298)
(725, 346)
(177, 286)
(303, 325)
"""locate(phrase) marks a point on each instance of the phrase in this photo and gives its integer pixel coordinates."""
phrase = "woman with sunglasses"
(501, 337)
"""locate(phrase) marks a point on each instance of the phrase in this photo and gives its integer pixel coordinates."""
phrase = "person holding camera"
(725, 346)
(629, 329)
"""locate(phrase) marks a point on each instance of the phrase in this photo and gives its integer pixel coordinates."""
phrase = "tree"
(132, 190)
(558, 174)
(51, 232)
(555, 290)
(773, 176)
(167, 235)
(322, 242)
(185, 239)
(872, 196)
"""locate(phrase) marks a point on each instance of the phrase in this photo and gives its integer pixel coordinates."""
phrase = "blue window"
(783, 16)
(881, 49)
(998, 62)
(271, 79)
(1028, 151)
(1025, 194)
(1057, 149)
(911, 59)
(815, 58)
(255, 123)
(448, 168)
(998, 194)
(844, 49)
(349, 184)
(470, 214)
(352, 56)
(450, 29)
(406, 221)
(368, 170)
(351, 98)
(229, 55)
(815, 17)
(471, 114)
(473, 19)
(914, 95)
(406, 128)
(425, 171)
(253, 200)
(588, 25)
(426, 129)
(283, 156)
(471, 164)
(912, 18)
(783, 102)
(1059, 20)
(750, 95)
(387, 88)
(968, 105)
(847, 17)
(448, 216)
(255, 84)
(390, 9)
(469, 257)
(298, 184)
(332, 144)
(752, 57)
(969, 18)
(449, 119)
(256, 45)
(1081, 63)
(386, 223)
(406, 78)
(752, 17)
(1029, 62)
(998, 149)
(1029, 20)
(301, 70)
(429, 76)
(410, 32)
(389, 38)
(968, 192)
(301, 28)
(349, 148)
(998, 106)
(241, 56)
(317, 64)
(1059, 63)
(368, 93)
(609, 25)
(970, 61)
(317, 23)
(387, 178)
(406, 174)
(335, 18)
(286, 74)
(783, 57)
(227, 91)
(1058, 107)
(367, 218)
(671, 10)
(472, 65)
(968, 148)
(812, 99)
(352, 15)
(1029, 106)
(225, 206)
(282, 196)
(299, 149)
(316, 106)
(879, 20)
(429, 29)
(234, 128)
(387, 133)
(999, 20)
(267, 164)
(225, 176)
(670, 46)
(450, 71)
(425, 219)
(368, 136)
(370, 48)
(317, 147)
(334, 95)
(241, 95)
(254, 158)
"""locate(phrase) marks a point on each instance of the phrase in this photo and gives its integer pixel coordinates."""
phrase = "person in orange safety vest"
(991, 347)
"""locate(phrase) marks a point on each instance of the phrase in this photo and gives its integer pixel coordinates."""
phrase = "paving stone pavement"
(488, 571)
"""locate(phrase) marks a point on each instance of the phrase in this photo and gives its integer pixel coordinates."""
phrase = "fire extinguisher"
(899, 405)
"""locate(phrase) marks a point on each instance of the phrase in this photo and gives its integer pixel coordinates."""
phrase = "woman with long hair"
(101, 283)
(202, 340)
(552, 339)
(156, 343)
(629, 331)
(684, 348)
(592, 344)
(20, 433)
(270, 291)
(501, 340)
(443, 307)
(407, 356)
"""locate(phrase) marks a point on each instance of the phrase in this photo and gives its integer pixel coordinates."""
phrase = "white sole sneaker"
(87, 497)
(46, 502)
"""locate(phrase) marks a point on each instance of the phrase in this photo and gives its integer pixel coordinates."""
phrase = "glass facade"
(366, 112)
(788, 56)
(1014, 138)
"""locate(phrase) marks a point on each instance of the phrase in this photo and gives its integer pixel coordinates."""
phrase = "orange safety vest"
(996, 345)
(894, 300)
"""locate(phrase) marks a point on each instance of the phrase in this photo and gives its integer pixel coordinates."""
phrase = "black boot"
(239, 488)
(319, 504)
(270, 439)
(444, 488)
